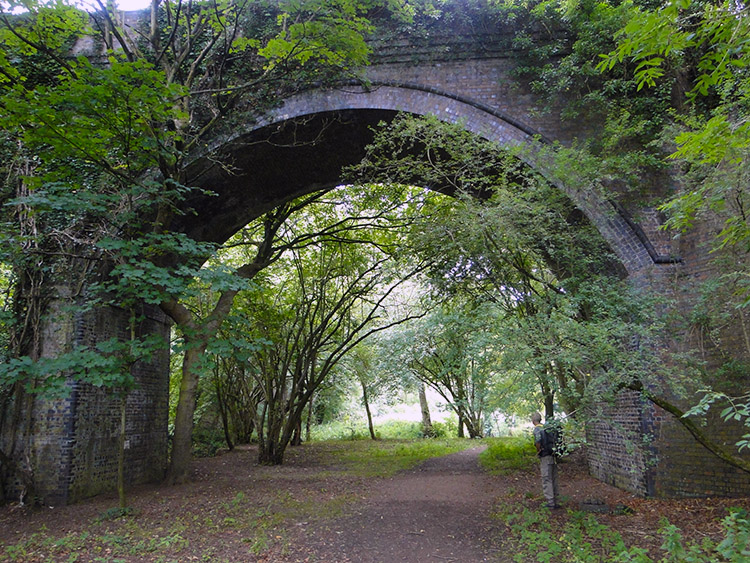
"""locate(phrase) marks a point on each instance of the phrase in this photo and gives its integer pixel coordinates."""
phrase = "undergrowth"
(508, 454)
(388, 430)
(581, 538)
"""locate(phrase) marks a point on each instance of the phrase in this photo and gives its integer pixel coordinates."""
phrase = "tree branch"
(693, 428)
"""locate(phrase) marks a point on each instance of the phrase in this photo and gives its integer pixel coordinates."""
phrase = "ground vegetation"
(237, 509)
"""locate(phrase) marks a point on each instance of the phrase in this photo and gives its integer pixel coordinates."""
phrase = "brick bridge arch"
(337, 122)
(74, 444)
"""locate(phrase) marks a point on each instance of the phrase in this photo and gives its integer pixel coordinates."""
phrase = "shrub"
(446, 429)
(508, 453)
(207, 441)
(583, 539)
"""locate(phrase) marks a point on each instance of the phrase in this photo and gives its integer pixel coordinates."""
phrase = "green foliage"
(37, 40)
(734, 548)
(535, 537)
(351, 430)
(558, 46)
(713, 137)
(207, 440)
(737, 409)
(347, 429)
(446, 428)
(717, 31)
(435, 349)
(705, 45)
(106, 117)
(331, 32)
(508, 454)
(115, 513)
(106, 364)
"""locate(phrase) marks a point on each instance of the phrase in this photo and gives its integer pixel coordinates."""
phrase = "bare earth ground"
(309, 510)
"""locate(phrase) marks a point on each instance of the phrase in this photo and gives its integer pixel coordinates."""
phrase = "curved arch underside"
(302, 147)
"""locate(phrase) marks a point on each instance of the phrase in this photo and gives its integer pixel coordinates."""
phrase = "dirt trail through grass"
(347, 502)
(439, 511)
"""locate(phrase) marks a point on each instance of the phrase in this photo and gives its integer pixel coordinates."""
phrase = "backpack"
(551, 443)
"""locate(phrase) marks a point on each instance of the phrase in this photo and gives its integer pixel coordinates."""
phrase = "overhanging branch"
(716, 449)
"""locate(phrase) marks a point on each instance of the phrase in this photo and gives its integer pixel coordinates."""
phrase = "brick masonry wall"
(35, 431)
(71, 448)
(684, 467)
(617, 452)
(96, 426)
(479, 94)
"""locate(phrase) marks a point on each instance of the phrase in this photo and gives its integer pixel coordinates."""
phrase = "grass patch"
(388, 430)
(508, 454)
(384, 458)
(355, 431)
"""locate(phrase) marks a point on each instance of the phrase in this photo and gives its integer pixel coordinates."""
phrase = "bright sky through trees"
(125, 5)
(89, 5)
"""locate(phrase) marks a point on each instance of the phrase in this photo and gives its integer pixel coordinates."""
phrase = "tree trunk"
(427, 429)
(474, 427)
(271, 451)
(271, 454)
(179, 466)
(220, 401)
(366, 402)
(297, 434)
(461, 426)
(549, 402)
(121, 454)
(310, 415)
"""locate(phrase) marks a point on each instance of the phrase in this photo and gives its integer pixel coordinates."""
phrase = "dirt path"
(314, 510)
(439, 511)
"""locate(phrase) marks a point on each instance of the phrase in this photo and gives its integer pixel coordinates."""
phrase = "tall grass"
(507, 454)
(388, 430)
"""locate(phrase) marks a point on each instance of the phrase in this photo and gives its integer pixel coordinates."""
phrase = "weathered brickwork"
(685, 468)
(618, 453)
(72, 443)
(95, 436)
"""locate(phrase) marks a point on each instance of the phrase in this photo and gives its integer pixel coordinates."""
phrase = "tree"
(454, 351)
(100, 150)
(326, 299)
(361, 365)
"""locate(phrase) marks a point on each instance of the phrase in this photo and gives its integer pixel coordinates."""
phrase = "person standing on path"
(544, 449)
